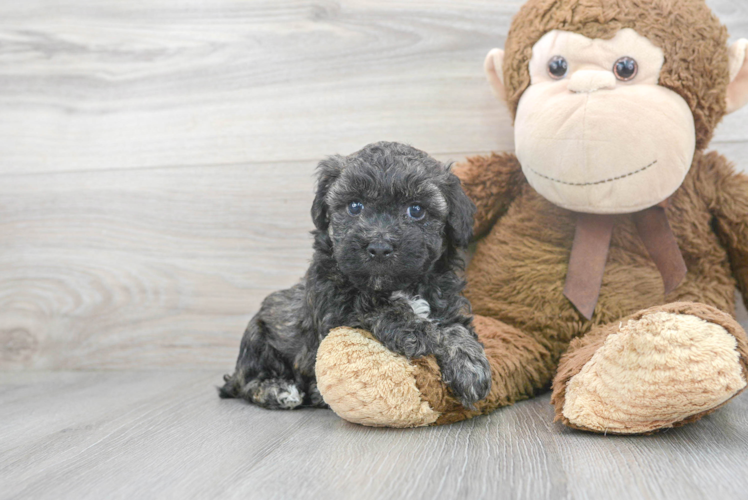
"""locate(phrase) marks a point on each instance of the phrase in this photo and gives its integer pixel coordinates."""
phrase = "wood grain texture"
(103, 85)
(157, 158)
(166, 435)
(156, 267)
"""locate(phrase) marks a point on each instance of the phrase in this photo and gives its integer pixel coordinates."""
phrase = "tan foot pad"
(655, 372)
(365, 383)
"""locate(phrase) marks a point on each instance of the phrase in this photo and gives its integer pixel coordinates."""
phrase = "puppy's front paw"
(408, 338)
(412, 339)
(468, 375)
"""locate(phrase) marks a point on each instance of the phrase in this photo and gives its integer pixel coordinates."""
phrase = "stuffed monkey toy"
(609, 246)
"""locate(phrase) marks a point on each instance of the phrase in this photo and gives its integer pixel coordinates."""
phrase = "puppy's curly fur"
(389, 224)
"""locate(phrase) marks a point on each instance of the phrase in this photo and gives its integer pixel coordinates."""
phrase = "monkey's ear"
(328, 172)
(737, 90)
(494, 68)
(461, 212)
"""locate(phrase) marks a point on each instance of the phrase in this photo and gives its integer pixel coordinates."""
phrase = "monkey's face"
(595, 132)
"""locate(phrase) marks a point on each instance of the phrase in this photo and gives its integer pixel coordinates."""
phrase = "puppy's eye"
(355, 207)
(625, 69)
(416, 212)
(557, 67)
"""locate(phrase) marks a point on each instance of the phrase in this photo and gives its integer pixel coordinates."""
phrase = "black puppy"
(389, 221)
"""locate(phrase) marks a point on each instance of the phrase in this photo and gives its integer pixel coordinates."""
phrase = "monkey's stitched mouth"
(595, 183)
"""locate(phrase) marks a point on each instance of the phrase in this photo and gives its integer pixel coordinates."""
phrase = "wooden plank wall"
(157, 158)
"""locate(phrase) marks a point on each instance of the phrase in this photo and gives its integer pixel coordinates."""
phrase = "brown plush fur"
(696, 64)
(516, 277)
(518, 271)
(494, 182)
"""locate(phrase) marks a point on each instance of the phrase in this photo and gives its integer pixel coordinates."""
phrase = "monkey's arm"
(491, 182)
(727, 195)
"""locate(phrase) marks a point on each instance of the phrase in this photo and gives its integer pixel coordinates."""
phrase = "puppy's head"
(391, 213)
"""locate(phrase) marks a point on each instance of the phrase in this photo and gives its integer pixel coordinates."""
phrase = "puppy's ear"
(328, 172)
(461, 211)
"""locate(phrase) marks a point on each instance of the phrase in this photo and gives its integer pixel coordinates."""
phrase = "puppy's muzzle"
(380, 250)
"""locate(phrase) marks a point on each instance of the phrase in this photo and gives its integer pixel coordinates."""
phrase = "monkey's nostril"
(379, 249)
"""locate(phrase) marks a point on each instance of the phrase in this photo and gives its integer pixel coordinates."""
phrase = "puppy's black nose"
(379, 249)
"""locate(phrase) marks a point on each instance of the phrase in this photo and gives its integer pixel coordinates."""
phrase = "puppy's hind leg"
(262, 375)
(315, 397)
(273, 393)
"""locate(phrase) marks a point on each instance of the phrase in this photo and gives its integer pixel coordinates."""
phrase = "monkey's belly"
(518, 272)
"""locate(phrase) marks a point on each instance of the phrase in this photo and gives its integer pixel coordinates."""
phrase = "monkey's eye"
(355, 207)
(558, 67)
(625, 69)
(416, 212)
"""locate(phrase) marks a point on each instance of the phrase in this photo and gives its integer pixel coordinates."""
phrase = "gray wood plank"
(149, 268)
(167, 435)
(102, 85)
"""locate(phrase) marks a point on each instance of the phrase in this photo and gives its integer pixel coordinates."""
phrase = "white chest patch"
(420, 306)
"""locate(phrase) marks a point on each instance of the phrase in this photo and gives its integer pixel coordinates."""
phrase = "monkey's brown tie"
(589, 253)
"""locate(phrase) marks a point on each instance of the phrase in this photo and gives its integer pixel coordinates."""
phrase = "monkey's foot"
(660, 368)
(365, 383)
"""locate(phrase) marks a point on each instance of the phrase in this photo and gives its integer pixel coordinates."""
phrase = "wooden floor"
(75, 435)
(156, 174)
